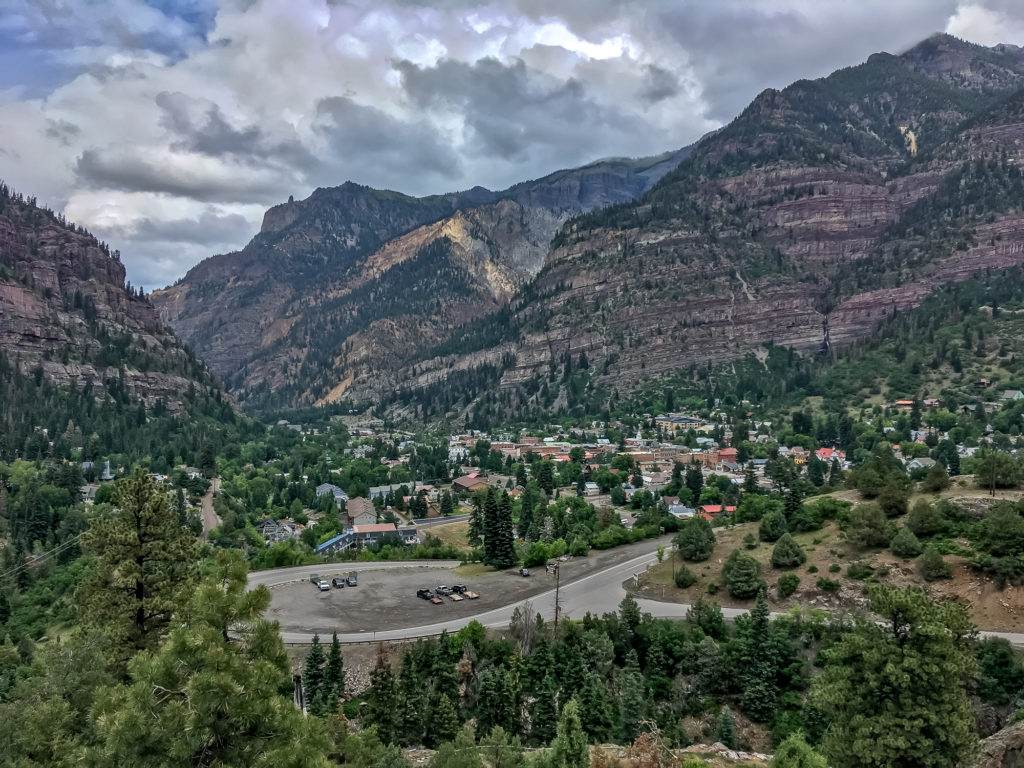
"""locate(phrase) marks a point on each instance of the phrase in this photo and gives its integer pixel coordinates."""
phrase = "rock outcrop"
(1004, 749)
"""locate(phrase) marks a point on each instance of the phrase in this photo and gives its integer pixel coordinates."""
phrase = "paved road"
(210, 518)
(596, 593)
(430, 523)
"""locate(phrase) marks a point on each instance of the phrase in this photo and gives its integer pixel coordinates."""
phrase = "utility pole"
(552, 568)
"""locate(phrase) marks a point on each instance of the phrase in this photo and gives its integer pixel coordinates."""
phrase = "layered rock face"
(320, 305)
(65, 309)
(818, 213)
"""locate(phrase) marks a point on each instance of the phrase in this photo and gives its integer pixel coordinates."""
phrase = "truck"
(324, 586)
(314, 578)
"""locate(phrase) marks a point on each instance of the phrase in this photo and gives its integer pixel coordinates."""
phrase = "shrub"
(867, 527)
(807, 518)
(859, 570)
(750, 541)
(834, 568)
(787, 553)
(695, 540)
(893, 500)
(925, 519)
(773, 525)
(828, 585)
(580, 547)
(712, 588)
(936, 480)
(812, 569)
(905, 544)
(741, 575)
(931, 566)
(788, 583)
(685, 577)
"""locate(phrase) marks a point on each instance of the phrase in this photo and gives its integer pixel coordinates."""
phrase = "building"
(591, 489)
(340, 497)
(469, 484)
(365, 535)
(829, 454)
(716, 509)
(274, 531)
(922, 462)
(360, 511)
(1012, 394)
(673, 424)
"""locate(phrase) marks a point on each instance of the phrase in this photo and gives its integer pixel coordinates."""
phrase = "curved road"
(596, 593)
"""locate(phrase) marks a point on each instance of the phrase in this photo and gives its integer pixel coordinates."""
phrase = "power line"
(45, 557)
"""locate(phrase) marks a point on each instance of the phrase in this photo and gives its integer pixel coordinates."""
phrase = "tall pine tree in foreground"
(211, 694)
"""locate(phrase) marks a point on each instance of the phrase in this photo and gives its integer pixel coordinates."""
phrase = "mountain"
(820, 211)
(338, 291)
(84, 358)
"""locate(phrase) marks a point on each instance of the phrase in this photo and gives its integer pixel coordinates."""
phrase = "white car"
(324, 586)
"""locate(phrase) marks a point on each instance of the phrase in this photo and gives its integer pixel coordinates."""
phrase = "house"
(829, 455)
(469, 484)
(89, 492)
(1012, 394)
(340, 497)
(728, 454)
(591, 489)
(716, 509)
(903, 405)
(371, 534)
(274, 531)
(681, 511)
(922, 462)
(931, 402)
(360, 511)
(983, 383)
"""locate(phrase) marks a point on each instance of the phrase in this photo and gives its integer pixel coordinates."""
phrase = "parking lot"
(386, 597)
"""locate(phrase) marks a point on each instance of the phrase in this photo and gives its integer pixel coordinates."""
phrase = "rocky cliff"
(819, 212)
(323, 303)
(66, 314)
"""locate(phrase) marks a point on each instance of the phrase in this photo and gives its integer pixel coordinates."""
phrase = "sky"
(168, 127)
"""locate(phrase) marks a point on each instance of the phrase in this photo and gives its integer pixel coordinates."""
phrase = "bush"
(807, 518)
(893, 500)
(741, 575)
(867, 527)
(580, 547)
(695, 540)
(787, 553)
(834, 568)
(750, 541)
(828, 585)
(788, 583)
(537, 554)
(712, 588)
(773, 525)
(936, 480)
(859, 570)
(685, 577)
(925, 519)
(905, 544)
(932, 567)
(812, 569)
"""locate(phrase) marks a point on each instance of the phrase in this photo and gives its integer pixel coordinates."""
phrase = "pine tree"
(495, 705)
(528, 504)
(724, 733)
(917, 656)
(475, 535)
(501, 751)
(546, 477)
(569, 749)
(380, 698)
(145, 558)
(596, 712)
(741, 575)
(447, 508)
(759, 663)
(313, 674)
(787, 553)
(411, 703)
(695, 480)
(334, 671)
(633, 701)
(504, 551)
(210, 694)
(443, 722)
(544, 712)
(491, 527)
(795, 752)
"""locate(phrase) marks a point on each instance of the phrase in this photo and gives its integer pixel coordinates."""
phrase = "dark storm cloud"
(515, 113)
(209, 228)
(366, 143)
(659, 84)
(133, 171)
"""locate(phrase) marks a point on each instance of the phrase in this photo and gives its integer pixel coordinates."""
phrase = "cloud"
(168, 126)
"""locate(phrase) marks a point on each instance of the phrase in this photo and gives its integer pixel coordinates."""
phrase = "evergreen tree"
(544, 712)
(741, 575)
(447, 507)
(334, 671)
(145, 558)
(546, 477)
(528, 504)
(696, 540)
(569, 749)
(475, 535)
(633, 702)
(759, 662)
(210, 695)
(725, 733)
(380, 708)
(917, 661)
(773, 525)
(596, 714)
(503, 550)
(443, 722)
(495, 703)
(905, 544)
(695, 480)
(412, 702)
(787, 553)
(313, 674)
(491, 527)
(501, 751)
(460, 753)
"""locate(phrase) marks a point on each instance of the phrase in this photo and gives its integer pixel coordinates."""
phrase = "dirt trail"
(210, 518)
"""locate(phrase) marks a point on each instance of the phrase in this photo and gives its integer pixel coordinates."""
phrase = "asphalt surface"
(210, 518)
(596, 592)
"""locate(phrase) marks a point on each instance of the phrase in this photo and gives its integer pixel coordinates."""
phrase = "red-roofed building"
(728, 454)
(828, 454)
(716, 509)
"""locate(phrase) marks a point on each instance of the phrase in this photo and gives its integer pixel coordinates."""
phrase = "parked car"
(524, 571)
(324, 586)
(352, 580)
(444, 590)
(426, 594)
(338, 582)
(314, 578)
(459, 588)
(470, 595)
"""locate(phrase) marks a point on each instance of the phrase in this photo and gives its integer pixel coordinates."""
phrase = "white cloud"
(169, 129)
